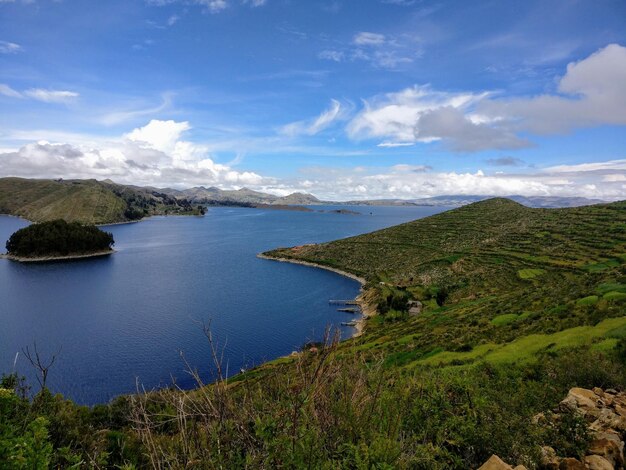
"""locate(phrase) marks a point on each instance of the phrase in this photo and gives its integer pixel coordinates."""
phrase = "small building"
(415, 308)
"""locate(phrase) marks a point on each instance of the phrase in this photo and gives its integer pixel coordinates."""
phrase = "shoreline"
(44, 259)
(367, 310)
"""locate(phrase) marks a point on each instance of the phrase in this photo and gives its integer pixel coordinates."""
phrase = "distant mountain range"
(103, 202)
(247, 196)
(244, 195)
(458, 201)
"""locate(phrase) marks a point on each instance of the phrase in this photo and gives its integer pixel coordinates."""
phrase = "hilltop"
(86, 201)
(492, 270)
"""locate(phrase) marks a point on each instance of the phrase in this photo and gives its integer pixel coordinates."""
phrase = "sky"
(344, 99)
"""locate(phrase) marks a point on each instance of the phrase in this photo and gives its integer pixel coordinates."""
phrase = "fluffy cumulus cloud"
(590, 93)
(394, 115)
(155, 154)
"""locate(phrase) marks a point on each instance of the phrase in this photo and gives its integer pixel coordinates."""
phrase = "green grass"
(602, 266)
(527, 348)
(615, 296)
(611, 287)
(505, 319)
(589, 300)
(529, 273)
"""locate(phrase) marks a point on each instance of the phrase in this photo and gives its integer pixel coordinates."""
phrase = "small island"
(57, 240)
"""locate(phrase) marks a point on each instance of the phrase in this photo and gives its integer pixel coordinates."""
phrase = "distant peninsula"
(58, 240)
(105, 202)
(87, 201)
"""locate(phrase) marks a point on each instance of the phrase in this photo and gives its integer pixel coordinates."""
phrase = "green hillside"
(486, 273)
(84, 201)
(519, 305)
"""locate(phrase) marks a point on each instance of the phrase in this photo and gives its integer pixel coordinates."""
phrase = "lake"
(129, 318)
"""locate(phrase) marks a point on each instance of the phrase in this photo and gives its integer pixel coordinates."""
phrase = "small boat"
(349, 323)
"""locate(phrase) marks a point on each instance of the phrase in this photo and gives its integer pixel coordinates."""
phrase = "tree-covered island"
(58, 239)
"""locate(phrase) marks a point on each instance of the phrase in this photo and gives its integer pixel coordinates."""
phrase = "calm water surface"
(126, 319)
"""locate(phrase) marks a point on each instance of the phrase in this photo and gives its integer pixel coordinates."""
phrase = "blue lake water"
(126, 318)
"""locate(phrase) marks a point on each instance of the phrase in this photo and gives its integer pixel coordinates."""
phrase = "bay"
(134, 319)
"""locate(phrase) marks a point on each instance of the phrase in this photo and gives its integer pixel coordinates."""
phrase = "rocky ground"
(604, 411)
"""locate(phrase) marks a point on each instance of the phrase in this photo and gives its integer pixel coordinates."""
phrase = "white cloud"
(6, 90)
(378, 50)
(117, 117)
(368, 39)
(395, 144)
(7, 47)
(614, 178)
(591, 93)
(395, 115)
(461, 134)
(39, 94)
(212, 6)
(51, 96)
(316, 125)
(406, 181)
(610, 165)
(151, 155)
(335, 56)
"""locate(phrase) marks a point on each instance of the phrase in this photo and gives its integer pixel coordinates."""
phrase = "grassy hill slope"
(519, 305)
(486, 273)
(85, 201)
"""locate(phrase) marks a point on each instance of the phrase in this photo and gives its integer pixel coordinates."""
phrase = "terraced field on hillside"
(487, 273)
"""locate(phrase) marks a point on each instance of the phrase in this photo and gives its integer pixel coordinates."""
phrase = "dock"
(343, 302)
(349, 310)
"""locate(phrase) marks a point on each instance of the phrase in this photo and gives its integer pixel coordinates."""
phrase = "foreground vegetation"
(86, 201)
(58, 238)
(519, 305)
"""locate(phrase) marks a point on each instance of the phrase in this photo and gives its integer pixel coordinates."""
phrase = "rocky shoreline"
(367, 310)
(45, 259)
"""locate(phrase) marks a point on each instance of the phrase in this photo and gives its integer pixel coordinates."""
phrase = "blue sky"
(345, 99)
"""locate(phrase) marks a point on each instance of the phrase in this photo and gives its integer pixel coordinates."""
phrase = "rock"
(571, 464)
(415, 307)
(608, 449)
(621, 410)
(549, 460)
(580, 399)
(495, 463)
(598, 391)
(595, 462)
